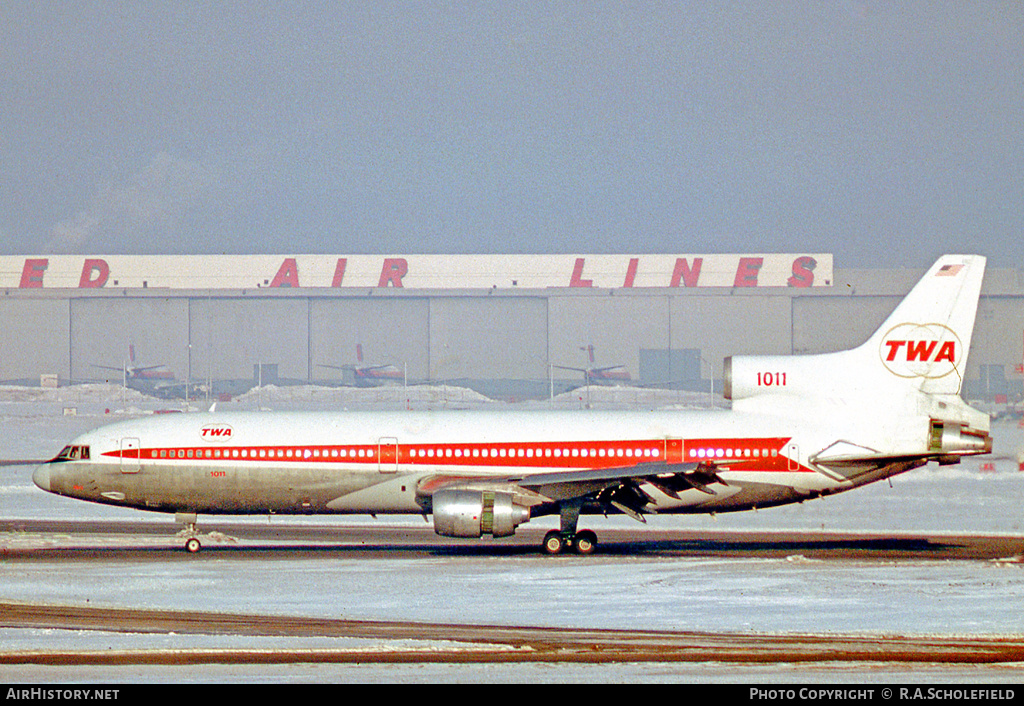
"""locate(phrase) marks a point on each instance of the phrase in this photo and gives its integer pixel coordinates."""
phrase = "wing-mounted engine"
(460, 512)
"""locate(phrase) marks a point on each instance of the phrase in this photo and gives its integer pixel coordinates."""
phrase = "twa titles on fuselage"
(801, 427)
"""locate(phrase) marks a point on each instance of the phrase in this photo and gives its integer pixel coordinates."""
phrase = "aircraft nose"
(41, 477)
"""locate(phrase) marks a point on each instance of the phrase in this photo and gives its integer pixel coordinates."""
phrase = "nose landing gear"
(192, 543)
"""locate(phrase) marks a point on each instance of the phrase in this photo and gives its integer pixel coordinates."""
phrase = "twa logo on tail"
(921, 350)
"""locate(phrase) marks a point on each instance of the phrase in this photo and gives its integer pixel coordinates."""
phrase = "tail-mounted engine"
(750, 375)
(957, 439)
(474, 513)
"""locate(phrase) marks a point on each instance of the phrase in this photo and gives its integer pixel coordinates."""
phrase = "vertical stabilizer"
(925, 341)
(922, 346)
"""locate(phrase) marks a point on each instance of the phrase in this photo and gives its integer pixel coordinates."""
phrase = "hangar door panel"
(34, 341)
(108, 331)
(232, 336)
(828, 324)
(387, 330)
(617, 328)
(721, 326)
(493, 338)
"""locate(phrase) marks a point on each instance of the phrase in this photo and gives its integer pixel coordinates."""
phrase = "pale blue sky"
(885, 133)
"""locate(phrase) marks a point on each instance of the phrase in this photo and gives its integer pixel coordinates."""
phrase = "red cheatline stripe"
(764, 453)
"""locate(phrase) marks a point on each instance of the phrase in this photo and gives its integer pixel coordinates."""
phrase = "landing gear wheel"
(192, 545)
(553, 543)
(585, 542)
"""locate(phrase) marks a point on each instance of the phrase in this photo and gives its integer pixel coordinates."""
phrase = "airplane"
(608, 375)
(371, 375)
(801, 427)
(156, 380)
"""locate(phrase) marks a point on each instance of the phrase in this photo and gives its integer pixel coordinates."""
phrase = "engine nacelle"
(822, 374)
(474, 513)
(748, 375)
(953, 438)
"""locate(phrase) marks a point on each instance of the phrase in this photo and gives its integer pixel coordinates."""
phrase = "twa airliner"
(800, 427)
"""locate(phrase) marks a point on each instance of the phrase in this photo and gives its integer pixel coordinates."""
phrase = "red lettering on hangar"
(287, 274)
(746, 273)
(95, 273)
(395, 268)
(803, 272)
(32, 273)
(686, 273)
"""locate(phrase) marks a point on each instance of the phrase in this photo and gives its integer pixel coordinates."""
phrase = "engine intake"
(474, 513)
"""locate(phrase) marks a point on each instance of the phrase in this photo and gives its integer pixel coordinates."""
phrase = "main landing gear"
(555, 542)
(567, 538)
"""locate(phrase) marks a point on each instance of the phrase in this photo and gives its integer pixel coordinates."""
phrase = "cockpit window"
(73, 453)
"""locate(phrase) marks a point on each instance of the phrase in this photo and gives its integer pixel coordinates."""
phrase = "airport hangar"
(509, 326)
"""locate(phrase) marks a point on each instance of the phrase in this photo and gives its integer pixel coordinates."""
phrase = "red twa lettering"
(395, 268)
(746, 273)
(216, 432)
(686, 274)
(287, 275)
(947, 352)
(32, 274)
(894, 346)
(922, 351)
(97, 267)
(577, 275)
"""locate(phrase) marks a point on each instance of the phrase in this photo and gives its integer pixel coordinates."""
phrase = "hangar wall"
(511, 339)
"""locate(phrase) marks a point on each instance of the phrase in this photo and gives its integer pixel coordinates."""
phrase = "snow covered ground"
(794, 594)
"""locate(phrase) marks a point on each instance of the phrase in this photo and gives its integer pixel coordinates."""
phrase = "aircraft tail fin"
(922, 345)
(925, 341)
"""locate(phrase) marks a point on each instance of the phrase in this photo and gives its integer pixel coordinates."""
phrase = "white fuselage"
(800, 427)
(362, 462)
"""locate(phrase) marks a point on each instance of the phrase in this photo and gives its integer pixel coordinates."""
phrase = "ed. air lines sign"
(414, 271)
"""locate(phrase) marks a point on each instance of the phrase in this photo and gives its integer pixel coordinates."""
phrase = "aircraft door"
(793, 453)
(130, 455)
(674, 451)
(387, 454)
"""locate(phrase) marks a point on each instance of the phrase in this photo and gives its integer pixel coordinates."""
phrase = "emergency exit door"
(387, 454)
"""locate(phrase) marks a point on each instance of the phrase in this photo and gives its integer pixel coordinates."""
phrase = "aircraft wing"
(616, 487)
